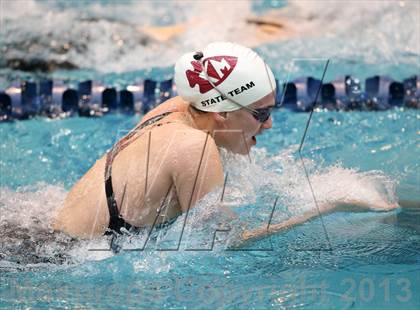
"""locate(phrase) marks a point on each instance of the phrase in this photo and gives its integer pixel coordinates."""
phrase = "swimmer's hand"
(354, 205)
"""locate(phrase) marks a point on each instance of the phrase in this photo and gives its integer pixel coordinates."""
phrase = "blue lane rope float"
(90, 98)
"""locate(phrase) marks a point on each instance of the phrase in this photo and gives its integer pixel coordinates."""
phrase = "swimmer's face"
(242, 128)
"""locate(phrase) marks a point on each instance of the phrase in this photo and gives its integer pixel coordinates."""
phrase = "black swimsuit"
(116, 222)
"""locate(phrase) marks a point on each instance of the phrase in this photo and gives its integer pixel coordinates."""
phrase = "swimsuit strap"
(116, 222)
(125, 141)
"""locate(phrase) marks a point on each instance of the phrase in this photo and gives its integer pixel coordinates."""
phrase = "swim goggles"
(261, 115)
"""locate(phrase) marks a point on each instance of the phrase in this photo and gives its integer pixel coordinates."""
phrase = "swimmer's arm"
(198, 169)
(325, 208)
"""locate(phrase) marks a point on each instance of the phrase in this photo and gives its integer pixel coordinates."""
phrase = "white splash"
(27, 214)
(109, 38)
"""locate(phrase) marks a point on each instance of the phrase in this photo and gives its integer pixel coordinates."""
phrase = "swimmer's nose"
(268, 123)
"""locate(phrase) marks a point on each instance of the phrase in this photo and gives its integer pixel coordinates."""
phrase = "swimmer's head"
(234, 76)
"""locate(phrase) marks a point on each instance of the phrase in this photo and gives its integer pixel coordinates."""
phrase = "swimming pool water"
(61, 150)
(360, 261)
(374, 258)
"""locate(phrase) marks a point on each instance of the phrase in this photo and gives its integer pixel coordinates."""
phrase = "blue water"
(364, 260)
(375, 257)
(61, 150)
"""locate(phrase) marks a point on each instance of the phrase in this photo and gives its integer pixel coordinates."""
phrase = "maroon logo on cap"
(218, 68)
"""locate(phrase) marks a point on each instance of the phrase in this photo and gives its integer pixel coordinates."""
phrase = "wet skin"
(184, 165)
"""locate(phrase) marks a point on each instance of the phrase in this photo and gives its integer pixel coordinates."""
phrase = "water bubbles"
(386, 147)
(44, 159)
(26, 225)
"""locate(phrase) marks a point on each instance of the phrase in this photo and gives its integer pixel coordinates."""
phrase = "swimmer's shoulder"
(196, 160)
(172, 105)
(193, 143)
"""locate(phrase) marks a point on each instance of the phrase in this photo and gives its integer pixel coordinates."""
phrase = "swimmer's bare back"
(170, 159)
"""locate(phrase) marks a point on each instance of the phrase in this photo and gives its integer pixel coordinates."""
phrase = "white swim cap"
(237, 72)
